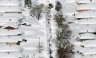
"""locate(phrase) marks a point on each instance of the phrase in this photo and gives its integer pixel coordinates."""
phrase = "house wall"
(10, 28)
(12, 43)
(81, 10)
(0, 26)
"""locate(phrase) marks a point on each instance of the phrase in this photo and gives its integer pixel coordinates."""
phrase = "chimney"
(87, 30)
(10, 45)
(8, 52)
(10, 20)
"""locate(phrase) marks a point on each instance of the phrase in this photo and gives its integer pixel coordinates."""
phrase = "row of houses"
(81, 15)
(19, 37)
(86, 21)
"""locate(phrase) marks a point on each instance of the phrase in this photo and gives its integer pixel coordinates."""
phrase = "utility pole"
(39, 44)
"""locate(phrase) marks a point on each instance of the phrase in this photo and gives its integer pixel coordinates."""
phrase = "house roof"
(11, 24)
(11, 14)
(87, 44)
(85, 1)
(6, 3)
(87, 29)
(86, 6)
(13, 48)
(88, 56)
(11, 55)
(11, 39)
(10, 32)
(10, 9)
(88, 51)
(8, 18)
(87, 36)
(87, 21)
(86, 14)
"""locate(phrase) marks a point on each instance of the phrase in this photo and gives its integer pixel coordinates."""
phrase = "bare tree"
(59, 19)
(37, 10)
(63, 36)
(58, 6)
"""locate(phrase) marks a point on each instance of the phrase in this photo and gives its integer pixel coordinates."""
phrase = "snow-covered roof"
(10, 9)
(11, 39)
(12, 14)
(89, 43)
(87, 36)
(86, 1)
(11, 24)
(11, 55)
(87, 51)
(10, 32)
(87, 29)
(87, 21)
(6, 3)
(9, 19)
(86, 7)
(12, 48)
(86, 14)
(88, 56)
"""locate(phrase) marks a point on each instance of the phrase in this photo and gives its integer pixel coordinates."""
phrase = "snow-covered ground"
(43, 31)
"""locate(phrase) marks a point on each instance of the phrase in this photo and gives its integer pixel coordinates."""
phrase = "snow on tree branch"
(37, 10)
